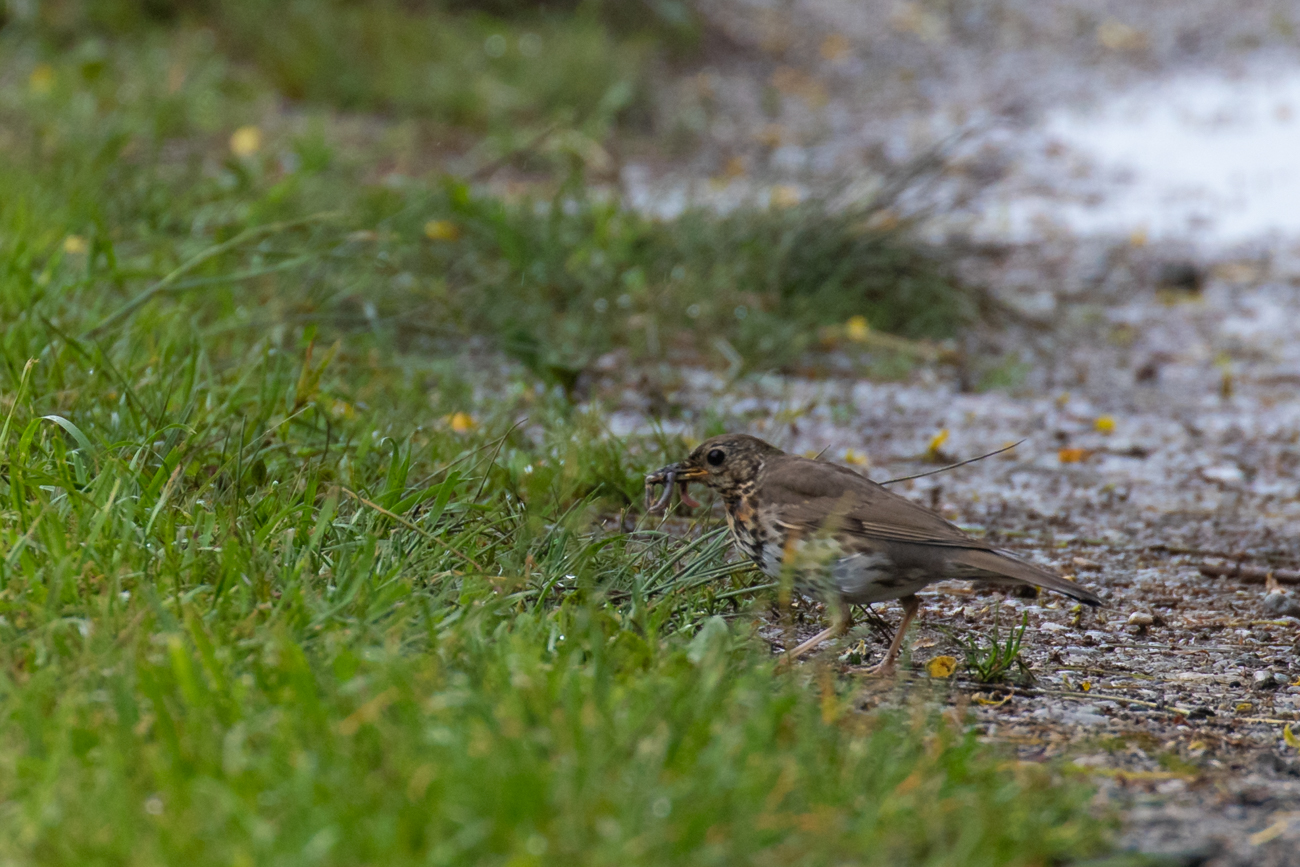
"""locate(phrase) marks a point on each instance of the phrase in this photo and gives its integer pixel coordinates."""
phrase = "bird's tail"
(997, 566)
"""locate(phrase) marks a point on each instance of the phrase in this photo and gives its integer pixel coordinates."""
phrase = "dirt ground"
(1153, 373)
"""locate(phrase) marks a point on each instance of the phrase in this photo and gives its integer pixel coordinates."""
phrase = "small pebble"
(1140, 618)
(1282, 604)
(1264, 680)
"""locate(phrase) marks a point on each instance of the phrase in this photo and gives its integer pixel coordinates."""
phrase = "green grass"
(994, 661)
(266, 598)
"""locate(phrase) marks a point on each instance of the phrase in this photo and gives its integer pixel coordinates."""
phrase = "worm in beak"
(668, 478)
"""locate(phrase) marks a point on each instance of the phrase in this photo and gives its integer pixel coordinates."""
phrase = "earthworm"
(668, 478)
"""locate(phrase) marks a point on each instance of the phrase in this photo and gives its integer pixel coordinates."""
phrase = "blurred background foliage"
(141, 97)
(459, 61)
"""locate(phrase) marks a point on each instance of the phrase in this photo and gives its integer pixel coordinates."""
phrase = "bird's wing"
(813, 495)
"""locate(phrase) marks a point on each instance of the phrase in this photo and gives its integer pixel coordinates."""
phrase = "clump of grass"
(553, 281)
(556, 283)
(994, 662)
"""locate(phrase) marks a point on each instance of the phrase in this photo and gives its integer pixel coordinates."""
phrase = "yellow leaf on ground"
(246, 141)
(941, 666)
(1291, 740)
(1105, 424)
(1073, 456)
(441, 230)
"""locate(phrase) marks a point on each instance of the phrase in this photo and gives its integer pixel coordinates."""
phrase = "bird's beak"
(670, 476)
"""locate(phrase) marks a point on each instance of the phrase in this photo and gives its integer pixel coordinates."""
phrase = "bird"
(838, 536)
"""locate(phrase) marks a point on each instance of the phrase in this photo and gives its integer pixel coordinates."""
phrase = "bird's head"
(725, 463)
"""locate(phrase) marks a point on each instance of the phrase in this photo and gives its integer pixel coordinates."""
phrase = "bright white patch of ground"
(1205, 157)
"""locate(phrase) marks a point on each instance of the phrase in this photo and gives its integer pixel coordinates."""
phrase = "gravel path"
(1154, 373)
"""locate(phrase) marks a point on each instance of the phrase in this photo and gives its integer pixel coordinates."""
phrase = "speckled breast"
(751, 537)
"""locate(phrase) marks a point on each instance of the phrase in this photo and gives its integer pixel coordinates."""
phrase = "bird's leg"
(841, 620)
(911, 605)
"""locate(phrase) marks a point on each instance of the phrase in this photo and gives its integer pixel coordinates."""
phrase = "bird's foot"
(884, 668)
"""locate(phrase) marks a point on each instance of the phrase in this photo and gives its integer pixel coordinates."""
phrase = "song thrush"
(838, 536)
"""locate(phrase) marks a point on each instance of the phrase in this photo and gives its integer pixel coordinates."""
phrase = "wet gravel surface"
(1155, 381)
(1175, 694)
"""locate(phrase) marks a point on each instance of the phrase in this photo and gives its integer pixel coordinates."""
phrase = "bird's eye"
(716, 457)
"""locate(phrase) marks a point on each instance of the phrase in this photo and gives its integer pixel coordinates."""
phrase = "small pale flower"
(246, 141)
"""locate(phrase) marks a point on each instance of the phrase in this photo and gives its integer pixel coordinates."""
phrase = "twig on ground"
(1249, 574)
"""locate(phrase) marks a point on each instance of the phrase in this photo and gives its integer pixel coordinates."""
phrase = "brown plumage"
(839, 536)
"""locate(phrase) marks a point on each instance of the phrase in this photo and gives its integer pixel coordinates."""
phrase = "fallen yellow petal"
(937, 441)
(941, 666)
(246, 141)
(1105, 424)
(857, 328)
(461, 422)
(441, 230)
